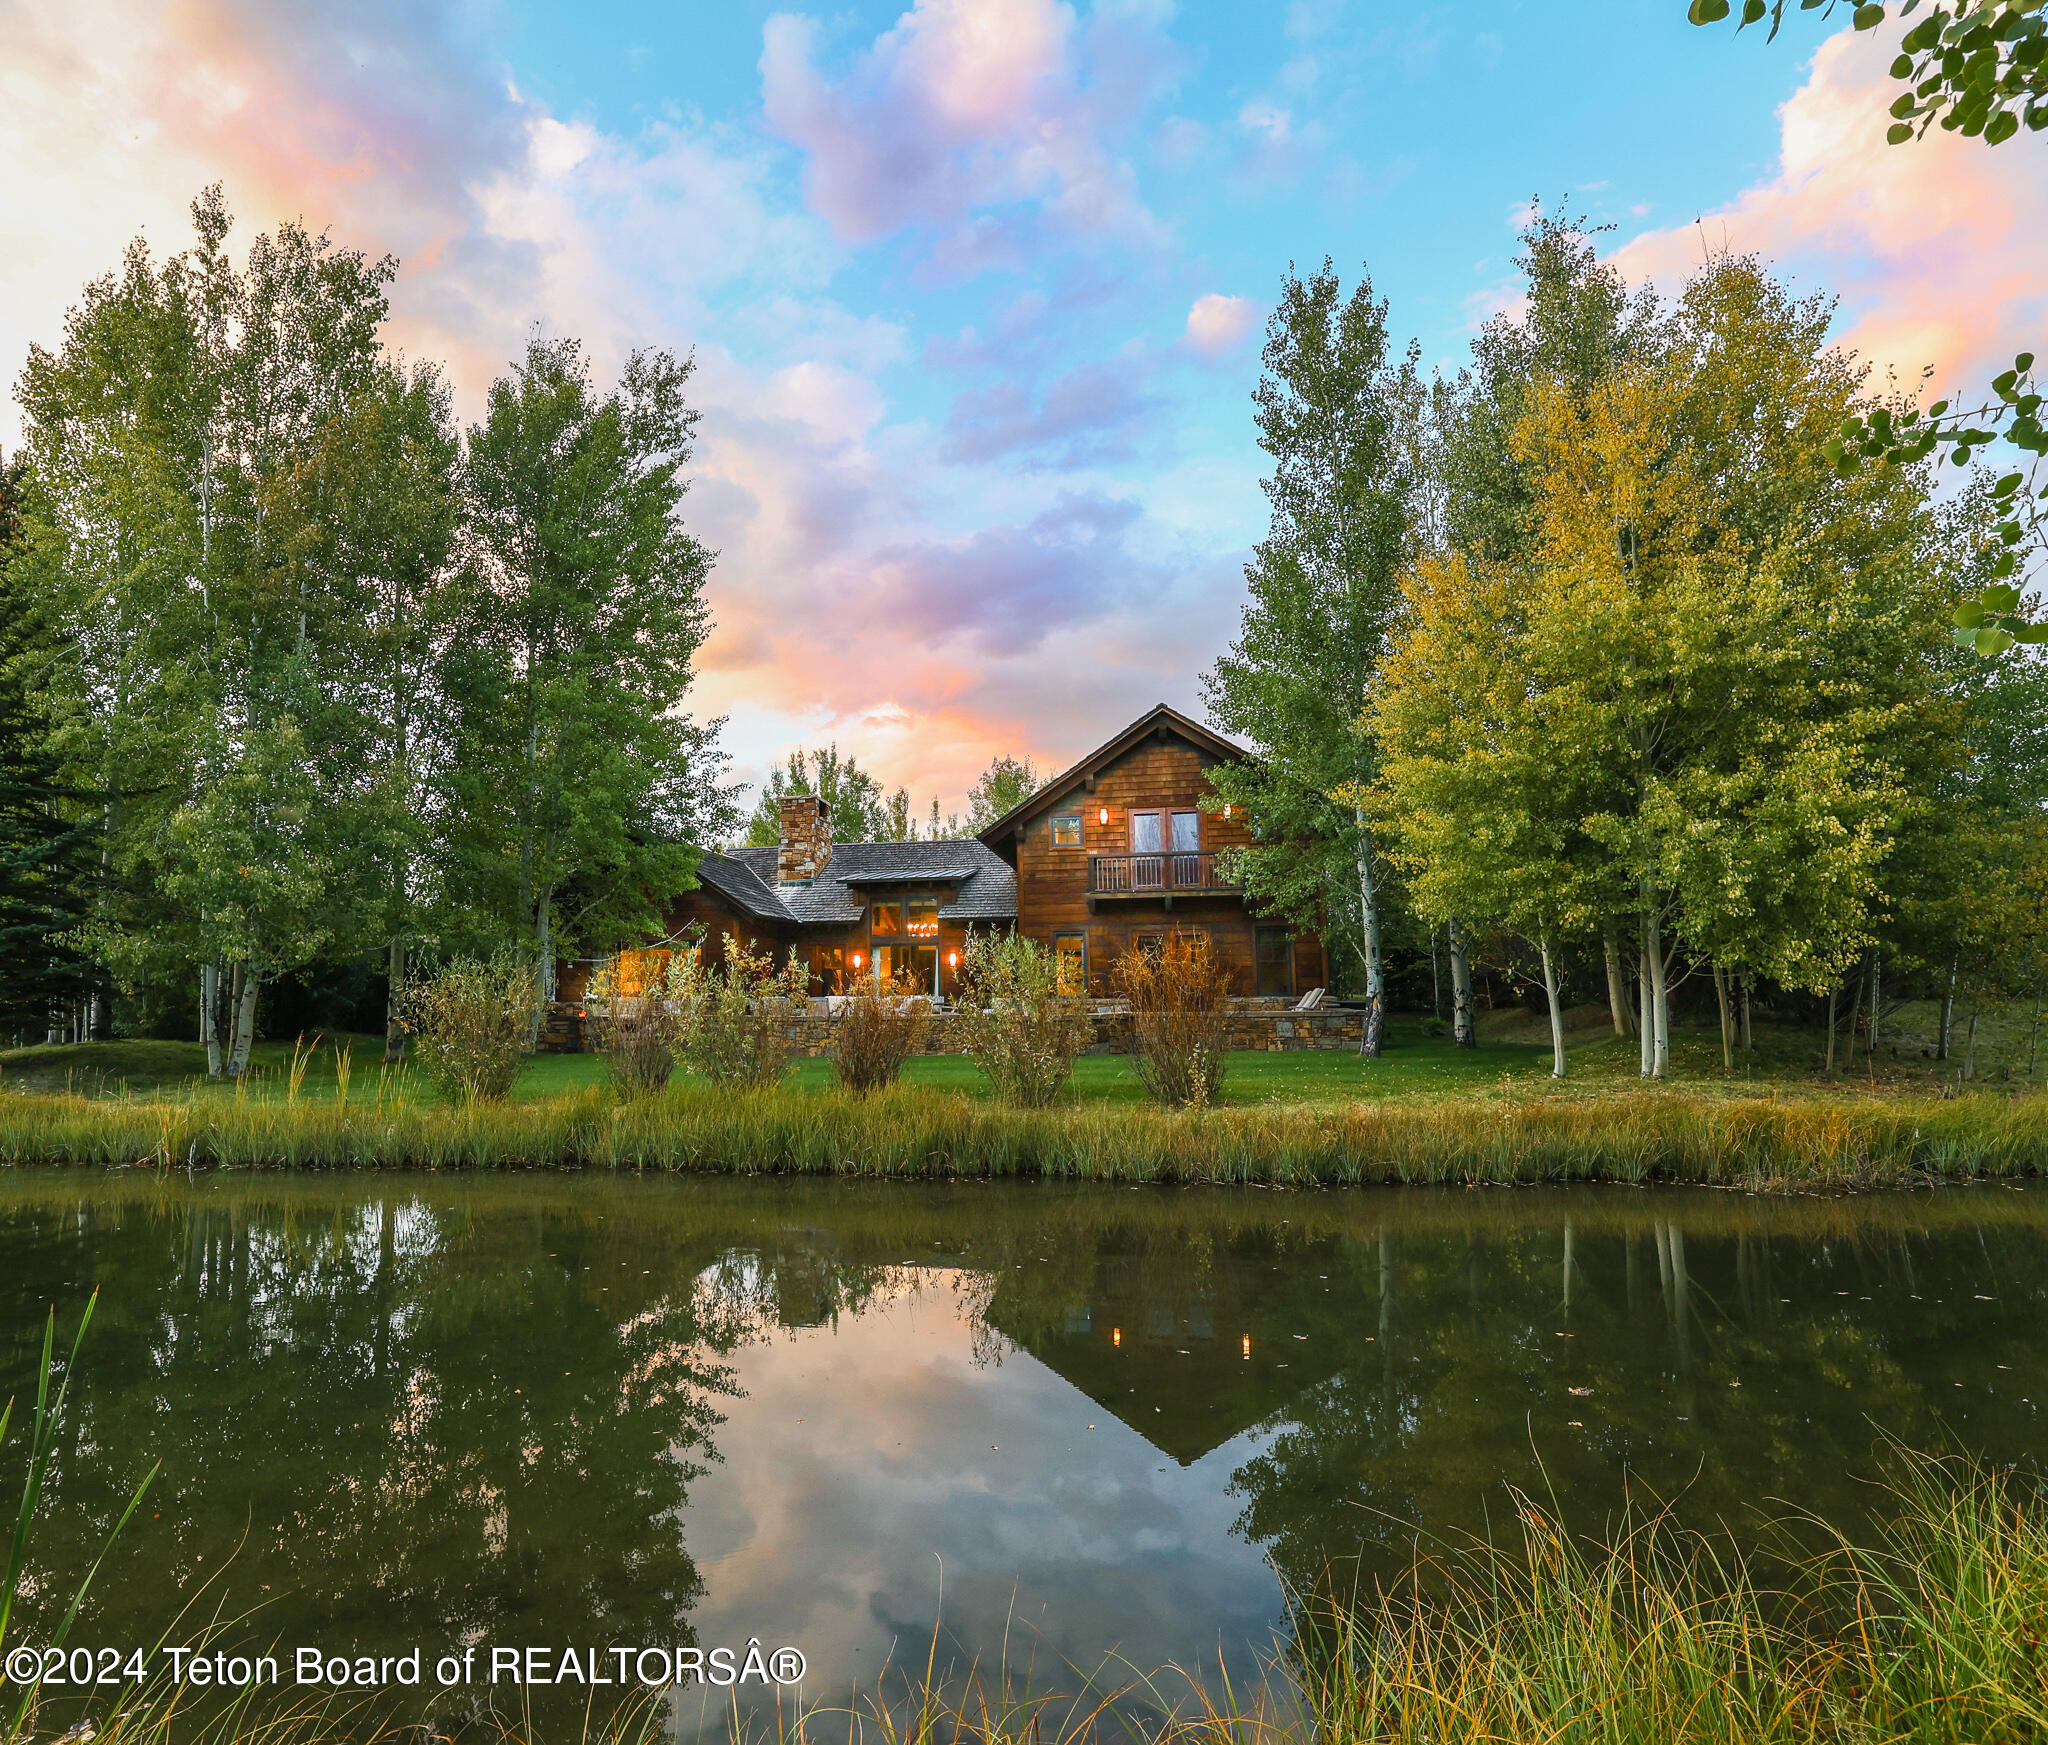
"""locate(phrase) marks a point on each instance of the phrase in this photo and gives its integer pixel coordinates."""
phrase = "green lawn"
(1513, 1056)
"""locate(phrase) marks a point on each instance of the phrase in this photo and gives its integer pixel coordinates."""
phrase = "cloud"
(1094, 409)
(1218, 325)
(961, 105)
(1938, 248)
(1007, 588)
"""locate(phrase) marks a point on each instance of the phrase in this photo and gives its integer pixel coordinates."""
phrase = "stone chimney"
(805, 824)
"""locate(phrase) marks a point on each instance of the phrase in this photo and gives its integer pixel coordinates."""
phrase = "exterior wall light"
(1247, 1348)
(1226, 808)
(952, 960)
(856, 960)
(1102, 816)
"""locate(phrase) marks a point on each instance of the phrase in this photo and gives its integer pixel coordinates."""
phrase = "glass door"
(1148, 862)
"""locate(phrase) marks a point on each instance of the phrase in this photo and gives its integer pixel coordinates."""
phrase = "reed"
(908, 1131)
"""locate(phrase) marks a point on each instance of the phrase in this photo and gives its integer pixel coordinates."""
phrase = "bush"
(1180, 1011)
(470, 1022)
(1021, 1028)
(743, 1015)
(879, 1027)
(640, 1019)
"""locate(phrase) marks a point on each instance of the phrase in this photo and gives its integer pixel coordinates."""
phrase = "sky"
(975, 288)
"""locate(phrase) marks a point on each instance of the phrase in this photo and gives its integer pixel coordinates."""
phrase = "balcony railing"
(1149, 875)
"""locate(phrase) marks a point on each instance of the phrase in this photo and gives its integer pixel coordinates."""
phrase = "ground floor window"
(916, 964)
(1275, 951)
(1070, 959)
(828, 969)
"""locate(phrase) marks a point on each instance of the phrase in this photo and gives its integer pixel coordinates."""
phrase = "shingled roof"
(987, 885)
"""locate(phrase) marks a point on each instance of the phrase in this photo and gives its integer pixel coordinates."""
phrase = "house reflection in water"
(1190, 1350)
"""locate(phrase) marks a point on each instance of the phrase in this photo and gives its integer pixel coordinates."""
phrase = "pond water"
(1058, 1423)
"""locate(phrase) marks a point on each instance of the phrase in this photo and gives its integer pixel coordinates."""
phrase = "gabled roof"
(987, 888)
(1158, 719)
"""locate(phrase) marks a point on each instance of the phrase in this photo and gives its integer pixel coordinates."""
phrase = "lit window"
(1070, 959)
(1066, 830)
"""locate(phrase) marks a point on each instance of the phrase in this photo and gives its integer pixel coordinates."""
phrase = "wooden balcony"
(1156, 876)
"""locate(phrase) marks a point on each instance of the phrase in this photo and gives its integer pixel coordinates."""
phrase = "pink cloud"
(1938, 248)
(1218, 325)
(959, 105)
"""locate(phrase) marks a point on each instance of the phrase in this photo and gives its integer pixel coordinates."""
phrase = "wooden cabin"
(1121, 848)
(1110, 853)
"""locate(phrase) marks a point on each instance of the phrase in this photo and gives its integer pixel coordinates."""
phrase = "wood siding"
(1163, 774)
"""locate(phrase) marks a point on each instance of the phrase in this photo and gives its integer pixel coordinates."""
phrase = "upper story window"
(1066, 830)
(1157, 832)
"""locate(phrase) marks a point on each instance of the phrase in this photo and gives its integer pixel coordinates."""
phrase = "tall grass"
(914, 1132)
(1932, 1637)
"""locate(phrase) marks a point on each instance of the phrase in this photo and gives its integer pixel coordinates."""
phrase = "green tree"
(368, 523)
(577, 781)
(1000, 789)
(1324, 593)
(859, 810)
(205, 694)
(48, 839)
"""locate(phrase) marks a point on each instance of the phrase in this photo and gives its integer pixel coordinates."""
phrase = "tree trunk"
(209, 1017)
(1727, 1019)
(1617, 981)
(1660, 996)
(1876, 987)
(1970, 1048)
(543, 970)
(394, 1003)
(1748, 1037)
(245, 1020)
(1374, 1028)
(1646, 1024)
(1436, 987)
(1463, 1032)
(1556, 1010)
(1829, 1070)
(1948, 1014)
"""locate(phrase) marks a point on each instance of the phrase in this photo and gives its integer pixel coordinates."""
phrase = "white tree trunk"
(1374, 1028)
(1646, 1023)
(1463, 1031)
(209, 1017)
(1660, 996)
(1556, 1012)
(245, 1019)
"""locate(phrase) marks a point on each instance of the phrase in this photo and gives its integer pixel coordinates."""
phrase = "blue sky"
(975, 286)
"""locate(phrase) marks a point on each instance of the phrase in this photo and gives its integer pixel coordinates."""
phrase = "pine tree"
(48, 835)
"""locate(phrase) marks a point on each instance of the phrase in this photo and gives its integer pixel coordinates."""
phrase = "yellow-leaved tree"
(1691, 702)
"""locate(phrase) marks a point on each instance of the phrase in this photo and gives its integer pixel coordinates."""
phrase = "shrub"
(1021, 1028)
(879, 1027)
(639, 1013)
(1180, 1011)
(471, 1020)
(743, 1015)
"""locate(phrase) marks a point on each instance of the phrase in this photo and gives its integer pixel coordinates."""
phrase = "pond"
(1059, 1424)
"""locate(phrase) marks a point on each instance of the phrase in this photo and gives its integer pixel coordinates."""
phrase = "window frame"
(1080, 830)
(1131, 828)
(1172, 835)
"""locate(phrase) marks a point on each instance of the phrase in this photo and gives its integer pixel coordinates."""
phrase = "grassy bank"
(916, 1132)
